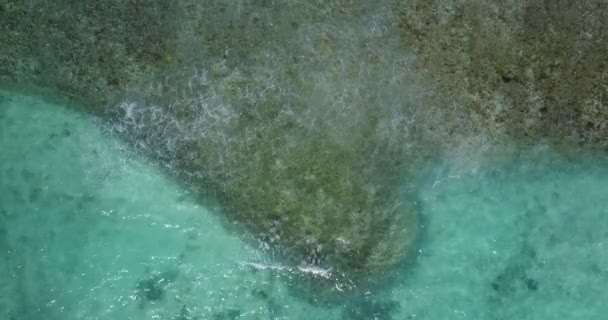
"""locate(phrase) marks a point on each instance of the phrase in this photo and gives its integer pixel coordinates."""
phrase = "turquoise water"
(89, 230)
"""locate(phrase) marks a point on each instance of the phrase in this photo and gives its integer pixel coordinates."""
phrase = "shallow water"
(89, 230)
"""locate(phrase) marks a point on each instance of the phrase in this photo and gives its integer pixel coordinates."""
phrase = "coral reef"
(303, 119)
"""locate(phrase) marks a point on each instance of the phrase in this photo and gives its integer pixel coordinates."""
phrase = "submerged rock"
(303, 141)
(152, 288)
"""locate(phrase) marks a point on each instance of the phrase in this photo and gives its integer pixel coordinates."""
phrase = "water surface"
(90, 230)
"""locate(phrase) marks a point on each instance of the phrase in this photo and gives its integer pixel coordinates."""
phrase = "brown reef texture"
(536, 71)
